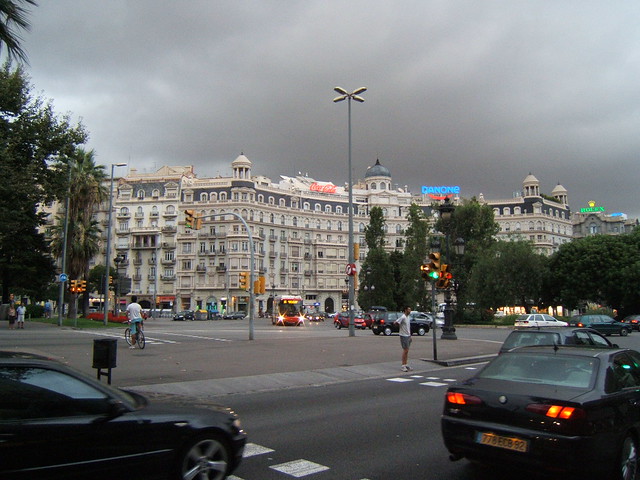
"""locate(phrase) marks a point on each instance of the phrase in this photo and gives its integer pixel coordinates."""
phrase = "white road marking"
(253, 449)
(299, 468)
(433, 384)
(399, 379)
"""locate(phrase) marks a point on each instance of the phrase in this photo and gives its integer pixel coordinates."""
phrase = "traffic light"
(82, 286)
(433, 267)
(243, 280)
(263, 285)
(445, 277)
(73, 286)
(198, 223)
(189, 220)
(110, 280)
(427, 273)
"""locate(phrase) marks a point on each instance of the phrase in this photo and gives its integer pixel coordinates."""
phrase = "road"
(316, 403)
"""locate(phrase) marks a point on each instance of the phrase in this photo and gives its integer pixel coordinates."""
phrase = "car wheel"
(422, 331)
(375, 331)
(624, 332)
(205, 457)
(628, 461)
(387, 331)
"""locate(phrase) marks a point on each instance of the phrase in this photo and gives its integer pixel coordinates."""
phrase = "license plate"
(508, 443)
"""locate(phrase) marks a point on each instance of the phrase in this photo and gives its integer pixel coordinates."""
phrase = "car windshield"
(520, 339)
(557, 370)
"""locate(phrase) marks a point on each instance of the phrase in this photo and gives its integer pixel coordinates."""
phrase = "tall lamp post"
(107, 256)
(446, 209)
(344, 95)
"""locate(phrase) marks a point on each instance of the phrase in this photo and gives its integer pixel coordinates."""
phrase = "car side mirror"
(615, 345)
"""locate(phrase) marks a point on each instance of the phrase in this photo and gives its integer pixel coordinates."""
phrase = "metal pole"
(352, 326)
(64, 249)
(434, 327)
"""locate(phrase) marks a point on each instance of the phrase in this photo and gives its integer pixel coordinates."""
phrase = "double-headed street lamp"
(107, 256)
(344, 95)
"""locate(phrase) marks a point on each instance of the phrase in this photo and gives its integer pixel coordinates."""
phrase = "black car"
(182, 316)
(555, 336)
(384, 322)
(633, 320)
(549, 408)
(58, 423)
(602, 323)
(234, 315)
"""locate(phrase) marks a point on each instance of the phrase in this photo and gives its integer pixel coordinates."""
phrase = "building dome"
(241, 167)
(558, 190)
(377, 171)
(241, 161)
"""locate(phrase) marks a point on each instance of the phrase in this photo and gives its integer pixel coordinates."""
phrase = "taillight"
(556, 411)
(580, 324)
(458, 398)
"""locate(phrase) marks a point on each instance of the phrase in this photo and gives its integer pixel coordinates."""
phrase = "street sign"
(63, 277)
(351, 269)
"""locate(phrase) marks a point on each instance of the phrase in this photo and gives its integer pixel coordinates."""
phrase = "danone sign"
(592, 208)
(441, 192)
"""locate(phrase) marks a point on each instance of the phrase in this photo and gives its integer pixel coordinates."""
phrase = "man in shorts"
(134, 312)
(405, 337)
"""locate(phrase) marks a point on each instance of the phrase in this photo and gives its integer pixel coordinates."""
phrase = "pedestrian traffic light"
(444, 281)
(243, 280)
(189, 220)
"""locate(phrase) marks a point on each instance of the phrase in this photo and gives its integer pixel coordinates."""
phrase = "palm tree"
(87, 192)
(14, 13)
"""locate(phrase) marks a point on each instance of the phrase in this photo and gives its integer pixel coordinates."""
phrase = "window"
(140, 194)
(30, 392)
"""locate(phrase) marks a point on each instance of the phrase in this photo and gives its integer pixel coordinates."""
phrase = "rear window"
(522, 339)
(566, 371)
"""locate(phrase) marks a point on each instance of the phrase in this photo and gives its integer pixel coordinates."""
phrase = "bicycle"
(140, 340)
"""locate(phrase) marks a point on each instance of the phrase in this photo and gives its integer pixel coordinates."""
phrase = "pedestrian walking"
(405, 337)
(47, 309)
(21, 311)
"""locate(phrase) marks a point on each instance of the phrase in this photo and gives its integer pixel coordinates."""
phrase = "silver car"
(538, 320)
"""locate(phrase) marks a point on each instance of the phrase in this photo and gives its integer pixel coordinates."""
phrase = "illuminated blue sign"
(440, 192)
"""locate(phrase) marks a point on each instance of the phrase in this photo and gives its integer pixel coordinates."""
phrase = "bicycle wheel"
(140, 339)
(127, 336)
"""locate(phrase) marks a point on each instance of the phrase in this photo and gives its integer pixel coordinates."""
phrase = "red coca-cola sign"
(323, 187)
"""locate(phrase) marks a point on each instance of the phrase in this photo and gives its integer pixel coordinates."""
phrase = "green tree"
(34, 148)
(376, 285)
(411, 289)
(13, 16)
(507, 274)
(599, 269)
(83, 236)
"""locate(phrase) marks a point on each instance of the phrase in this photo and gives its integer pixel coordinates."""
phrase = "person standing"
(47, 309)
(405, 337)
(134, 312)
(11, 313)
(21, 311)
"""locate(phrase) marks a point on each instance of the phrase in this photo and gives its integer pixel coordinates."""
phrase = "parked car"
(555, 336)
(368, 320)
(185, 315)
(341, 320)
(316, 316)
(234, 315)
(384, 322)
(538, 320)
(427, 317)
(602, 323)
(78, 427)
(633, 320)
(567, 410)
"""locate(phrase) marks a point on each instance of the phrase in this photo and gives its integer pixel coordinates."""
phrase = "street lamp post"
(344, 95)
(108, 252)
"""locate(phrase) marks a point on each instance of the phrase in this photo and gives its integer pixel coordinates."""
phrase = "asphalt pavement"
(246, 366)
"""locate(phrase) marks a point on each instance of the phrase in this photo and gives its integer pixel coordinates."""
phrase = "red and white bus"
(289, 310)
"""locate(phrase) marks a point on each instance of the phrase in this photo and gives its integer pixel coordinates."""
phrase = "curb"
(461, 361)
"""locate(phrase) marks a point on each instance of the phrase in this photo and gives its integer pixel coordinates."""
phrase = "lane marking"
(399, 379)
(253, 449)
(299, 468)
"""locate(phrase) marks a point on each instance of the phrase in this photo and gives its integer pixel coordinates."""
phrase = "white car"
(539, 320)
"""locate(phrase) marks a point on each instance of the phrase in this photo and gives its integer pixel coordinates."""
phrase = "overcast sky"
(471, 93)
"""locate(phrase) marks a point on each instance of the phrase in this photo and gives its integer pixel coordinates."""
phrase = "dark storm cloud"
(474, 93)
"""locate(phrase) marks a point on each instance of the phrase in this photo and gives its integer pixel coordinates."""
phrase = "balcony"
(273, 254)
(308, 273)
(201, 268)
(152, 261)
(137, 261)
(168, 261)
(136, 278)
(167, 277)
(169, 229)
(221, 268)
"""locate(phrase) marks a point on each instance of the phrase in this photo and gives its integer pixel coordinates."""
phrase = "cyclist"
(134, 312)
